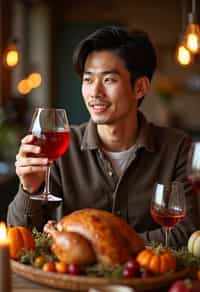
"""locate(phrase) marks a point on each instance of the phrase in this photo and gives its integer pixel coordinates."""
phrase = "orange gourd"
(157, 260)
(19, 237)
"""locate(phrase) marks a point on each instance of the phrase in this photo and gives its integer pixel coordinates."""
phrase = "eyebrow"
(105, 72)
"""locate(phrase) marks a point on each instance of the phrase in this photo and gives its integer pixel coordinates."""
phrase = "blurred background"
(37, 38)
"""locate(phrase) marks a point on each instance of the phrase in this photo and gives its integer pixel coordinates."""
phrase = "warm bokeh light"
(192, 38)
(183, 56)
(35, 79)
(12, 58)
(3, 232)
(193, 43)
(24, 86)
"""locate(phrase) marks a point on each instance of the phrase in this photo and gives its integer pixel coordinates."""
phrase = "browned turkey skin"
(89, 235)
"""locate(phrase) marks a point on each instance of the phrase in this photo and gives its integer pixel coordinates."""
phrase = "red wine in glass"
(168, 206)
(53, 144)
(167, 218)
(50, 128)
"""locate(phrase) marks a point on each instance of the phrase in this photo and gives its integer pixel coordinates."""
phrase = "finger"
(21, 171)
(23, 161)
(27, 149)
(27, 139)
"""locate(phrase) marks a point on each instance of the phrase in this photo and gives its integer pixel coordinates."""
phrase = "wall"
(39, 52)
(31, 27)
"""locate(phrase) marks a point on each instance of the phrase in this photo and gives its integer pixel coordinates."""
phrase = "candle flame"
(3, 232)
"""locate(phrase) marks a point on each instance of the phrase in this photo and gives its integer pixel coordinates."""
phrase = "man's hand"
(30, 168)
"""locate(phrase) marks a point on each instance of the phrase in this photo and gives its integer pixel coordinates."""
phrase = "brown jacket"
(85, 178)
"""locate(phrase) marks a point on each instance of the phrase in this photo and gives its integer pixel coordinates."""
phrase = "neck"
(118, 137)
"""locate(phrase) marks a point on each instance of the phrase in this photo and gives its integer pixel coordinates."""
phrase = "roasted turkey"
(88, 236)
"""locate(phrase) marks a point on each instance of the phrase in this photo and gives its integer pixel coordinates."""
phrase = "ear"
(142, 85)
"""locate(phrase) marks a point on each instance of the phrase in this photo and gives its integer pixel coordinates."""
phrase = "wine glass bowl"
(168, 206)
(193, 167)
(52, 144)
(50, 128)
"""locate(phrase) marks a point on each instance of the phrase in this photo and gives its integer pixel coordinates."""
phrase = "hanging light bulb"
(192, 38)
(183, 55)
(192, 34)
(11, 55)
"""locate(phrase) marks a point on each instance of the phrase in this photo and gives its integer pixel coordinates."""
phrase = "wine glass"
(50, 128)
(193, 167)
(168, 206)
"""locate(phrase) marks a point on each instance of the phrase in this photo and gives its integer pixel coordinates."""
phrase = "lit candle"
(4, 260)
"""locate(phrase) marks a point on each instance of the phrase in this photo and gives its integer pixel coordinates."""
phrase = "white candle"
(5, 285)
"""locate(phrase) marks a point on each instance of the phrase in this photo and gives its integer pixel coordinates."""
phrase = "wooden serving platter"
(83, 283)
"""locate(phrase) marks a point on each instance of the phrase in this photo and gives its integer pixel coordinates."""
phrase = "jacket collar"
(90, 139)
(144, 139)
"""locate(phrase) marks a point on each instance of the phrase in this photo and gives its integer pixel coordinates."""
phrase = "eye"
(87, 79)
(110, 80)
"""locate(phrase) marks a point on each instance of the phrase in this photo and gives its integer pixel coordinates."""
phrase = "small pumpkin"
(194, 243)
(19, 237)
(157, 260)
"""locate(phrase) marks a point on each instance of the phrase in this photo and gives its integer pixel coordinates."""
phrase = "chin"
(101, 121)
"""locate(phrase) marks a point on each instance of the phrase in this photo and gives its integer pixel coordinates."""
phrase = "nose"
(97, 89)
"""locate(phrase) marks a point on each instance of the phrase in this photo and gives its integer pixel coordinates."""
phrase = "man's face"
(106, 88)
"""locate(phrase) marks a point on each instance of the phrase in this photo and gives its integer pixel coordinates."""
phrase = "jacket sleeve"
(23, 211)
(179, 233)
(32, 213)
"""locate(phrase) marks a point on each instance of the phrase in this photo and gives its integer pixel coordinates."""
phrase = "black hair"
(134, 48)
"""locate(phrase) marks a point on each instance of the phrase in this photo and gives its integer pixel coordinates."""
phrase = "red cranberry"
(74, 269)
(132, 264)
(127, 273)
(131, 269)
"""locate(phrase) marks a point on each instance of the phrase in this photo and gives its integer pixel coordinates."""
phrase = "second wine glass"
(168, 206)
(50, 128)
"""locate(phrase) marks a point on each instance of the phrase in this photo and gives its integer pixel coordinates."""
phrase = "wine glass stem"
(167, 233)
(47, 178)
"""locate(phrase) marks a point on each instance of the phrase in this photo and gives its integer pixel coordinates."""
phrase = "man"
(116, 158)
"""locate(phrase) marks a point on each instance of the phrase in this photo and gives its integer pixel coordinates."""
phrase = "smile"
(99, 107)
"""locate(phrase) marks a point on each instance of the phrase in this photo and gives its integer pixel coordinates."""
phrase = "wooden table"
(20, 284)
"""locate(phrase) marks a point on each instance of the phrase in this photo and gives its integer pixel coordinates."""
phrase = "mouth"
(98, 107)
